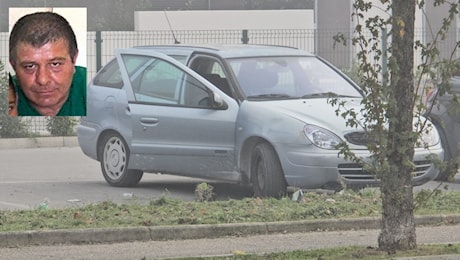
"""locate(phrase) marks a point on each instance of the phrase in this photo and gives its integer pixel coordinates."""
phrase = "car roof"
(229, 50)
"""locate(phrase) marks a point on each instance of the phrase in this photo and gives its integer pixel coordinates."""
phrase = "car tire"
(114, 158)
(266, 172)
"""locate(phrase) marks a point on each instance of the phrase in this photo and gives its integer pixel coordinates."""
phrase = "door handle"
(149, 121)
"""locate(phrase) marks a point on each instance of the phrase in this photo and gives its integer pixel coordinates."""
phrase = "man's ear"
(74, 58)
(12, 63)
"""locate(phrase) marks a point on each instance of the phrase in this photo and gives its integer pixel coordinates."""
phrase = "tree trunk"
(398, 226)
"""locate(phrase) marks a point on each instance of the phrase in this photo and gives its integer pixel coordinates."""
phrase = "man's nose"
(43, 76)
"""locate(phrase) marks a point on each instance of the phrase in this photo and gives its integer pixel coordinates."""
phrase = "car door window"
(159, 82)
(212, 70)
(180, 58)
(109, 76)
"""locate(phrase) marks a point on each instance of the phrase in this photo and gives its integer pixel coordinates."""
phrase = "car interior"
(211, 70)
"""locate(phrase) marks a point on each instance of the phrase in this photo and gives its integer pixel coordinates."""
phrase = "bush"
(61, 125)
(10, 127)
(204, 192)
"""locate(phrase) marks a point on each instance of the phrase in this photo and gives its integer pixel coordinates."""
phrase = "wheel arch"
(450, 152)
(101, 138)
(245, 154)
(448, 149)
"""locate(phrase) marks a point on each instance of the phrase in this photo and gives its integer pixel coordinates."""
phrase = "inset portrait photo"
(47, 53)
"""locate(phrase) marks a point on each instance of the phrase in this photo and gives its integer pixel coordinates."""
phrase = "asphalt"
(435, 229)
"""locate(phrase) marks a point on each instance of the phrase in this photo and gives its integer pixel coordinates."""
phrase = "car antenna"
(170, 28)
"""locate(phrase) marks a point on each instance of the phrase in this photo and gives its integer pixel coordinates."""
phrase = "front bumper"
(318, 168)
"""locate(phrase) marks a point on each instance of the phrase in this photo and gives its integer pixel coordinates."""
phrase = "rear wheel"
(114, 157)
(266, 172)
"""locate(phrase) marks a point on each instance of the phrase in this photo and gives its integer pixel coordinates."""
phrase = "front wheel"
(114, 157)
(447, 172)
(266, 172)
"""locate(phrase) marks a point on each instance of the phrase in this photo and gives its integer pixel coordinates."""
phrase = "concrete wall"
(223, 20)
(332, 17)
(331, 21)
(433, 22)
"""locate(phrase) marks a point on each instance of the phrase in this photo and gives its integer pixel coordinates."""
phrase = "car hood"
(314, 111)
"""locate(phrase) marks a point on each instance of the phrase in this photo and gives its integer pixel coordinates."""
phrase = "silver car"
(242, 113)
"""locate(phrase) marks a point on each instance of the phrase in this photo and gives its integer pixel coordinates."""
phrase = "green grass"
(168, 211)
(343, 253)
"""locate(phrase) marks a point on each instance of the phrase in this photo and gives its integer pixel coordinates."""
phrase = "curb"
(182, 232)
(38, 142)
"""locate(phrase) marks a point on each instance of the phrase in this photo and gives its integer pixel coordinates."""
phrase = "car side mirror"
(218, 103)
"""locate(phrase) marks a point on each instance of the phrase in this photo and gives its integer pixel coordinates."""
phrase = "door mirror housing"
(218, 102)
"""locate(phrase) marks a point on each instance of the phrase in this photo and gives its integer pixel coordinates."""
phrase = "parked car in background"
(239, 113)
(445, 115)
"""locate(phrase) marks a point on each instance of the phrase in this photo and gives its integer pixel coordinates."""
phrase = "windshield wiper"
(325, 94)
(272, 96)
(313, 95)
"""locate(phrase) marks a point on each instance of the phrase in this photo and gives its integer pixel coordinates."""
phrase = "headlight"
(321, 137)
(429, 137)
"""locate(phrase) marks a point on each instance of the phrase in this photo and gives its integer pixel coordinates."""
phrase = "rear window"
(109, 76)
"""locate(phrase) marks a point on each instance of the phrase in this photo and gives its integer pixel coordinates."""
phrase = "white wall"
(224, 20)
(76, 18)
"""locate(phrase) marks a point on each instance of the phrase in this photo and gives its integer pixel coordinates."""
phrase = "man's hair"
(40, 28)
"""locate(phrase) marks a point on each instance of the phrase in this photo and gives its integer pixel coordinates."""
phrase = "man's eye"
(56, 66)
(29, 66)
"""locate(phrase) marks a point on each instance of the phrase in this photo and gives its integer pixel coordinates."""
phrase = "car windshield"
(290, 78)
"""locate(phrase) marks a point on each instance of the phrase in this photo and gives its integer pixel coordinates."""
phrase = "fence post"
(98, 50)
(384, 57)
(245, 38)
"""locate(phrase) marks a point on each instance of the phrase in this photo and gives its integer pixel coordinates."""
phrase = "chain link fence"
(41, 126)
(101, 46)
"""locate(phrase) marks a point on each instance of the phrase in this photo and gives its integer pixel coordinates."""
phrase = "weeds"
(169, 211)
(204, 192)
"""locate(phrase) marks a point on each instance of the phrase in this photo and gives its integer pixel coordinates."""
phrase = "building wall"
(432, 22)
(332, 17)
(223, 20)
(330, 21)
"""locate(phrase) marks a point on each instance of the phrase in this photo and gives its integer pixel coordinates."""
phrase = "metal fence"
(101, 46)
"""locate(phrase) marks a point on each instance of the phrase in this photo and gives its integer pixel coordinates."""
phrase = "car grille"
(352, 171)
(357, 138)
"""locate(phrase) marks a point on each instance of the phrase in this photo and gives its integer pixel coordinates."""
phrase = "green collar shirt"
(75, 104)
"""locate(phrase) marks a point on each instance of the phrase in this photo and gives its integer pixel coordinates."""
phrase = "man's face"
(45, 74)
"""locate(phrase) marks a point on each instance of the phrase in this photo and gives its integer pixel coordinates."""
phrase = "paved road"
(64, 176)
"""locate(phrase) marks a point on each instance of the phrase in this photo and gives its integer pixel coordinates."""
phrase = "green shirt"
(75, 105)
